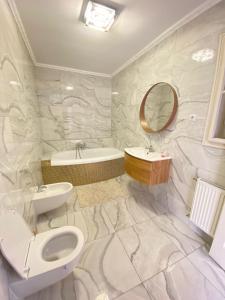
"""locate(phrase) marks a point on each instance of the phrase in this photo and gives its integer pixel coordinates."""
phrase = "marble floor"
(134, 249)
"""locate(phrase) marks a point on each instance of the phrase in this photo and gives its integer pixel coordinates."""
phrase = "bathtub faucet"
(79, 145)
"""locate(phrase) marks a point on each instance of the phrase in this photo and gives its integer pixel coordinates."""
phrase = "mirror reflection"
(158, 107)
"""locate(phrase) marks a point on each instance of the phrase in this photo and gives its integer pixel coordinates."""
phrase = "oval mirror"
(158, 107)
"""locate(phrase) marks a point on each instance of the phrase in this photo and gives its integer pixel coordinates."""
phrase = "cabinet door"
(215, 125)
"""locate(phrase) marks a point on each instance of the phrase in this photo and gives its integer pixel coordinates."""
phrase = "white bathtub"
(88, 156)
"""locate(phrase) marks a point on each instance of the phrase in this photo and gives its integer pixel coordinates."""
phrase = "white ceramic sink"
(51, 196)
(143, 153)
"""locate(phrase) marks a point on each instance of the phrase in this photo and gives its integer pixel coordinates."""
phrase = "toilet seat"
(24, 251)
(36, 264)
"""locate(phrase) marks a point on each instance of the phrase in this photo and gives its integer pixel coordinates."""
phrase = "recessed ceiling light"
(203, 55)
(99, 16)
(115, 93)
(15, 83)
(69, 88)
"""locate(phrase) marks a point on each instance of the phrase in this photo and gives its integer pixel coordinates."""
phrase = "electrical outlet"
(193, 117)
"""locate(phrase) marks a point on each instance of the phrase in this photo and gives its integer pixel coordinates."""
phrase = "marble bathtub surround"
(83, 112)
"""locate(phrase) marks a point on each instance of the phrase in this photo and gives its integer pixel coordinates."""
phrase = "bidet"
(51, 196)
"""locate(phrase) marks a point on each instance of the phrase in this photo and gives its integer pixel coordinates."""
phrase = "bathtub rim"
(71, 162)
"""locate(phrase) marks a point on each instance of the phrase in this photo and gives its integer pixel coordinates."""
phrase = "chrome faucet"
(79, 145)
(41, 188)
(149, 148)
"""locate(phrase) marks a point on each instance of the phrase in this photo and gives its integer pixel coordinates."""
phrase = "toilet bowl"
(39, 260)
(51, 196)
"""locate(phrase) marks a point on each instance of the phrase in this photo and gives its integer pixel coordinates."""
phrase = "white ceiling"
(58, 37)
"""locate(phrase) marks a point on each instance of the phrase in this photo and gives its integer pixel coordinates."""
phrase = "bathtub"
(88, 156)
(94, 165)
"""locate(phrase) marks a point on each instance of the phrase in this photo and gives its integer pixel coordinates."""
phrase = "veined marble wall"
(19, 126)
(83, 113)
(171, 61)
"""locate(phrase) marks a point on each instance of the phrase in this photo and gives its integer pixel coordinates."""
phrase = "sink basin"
(142, 153)
(51, 196)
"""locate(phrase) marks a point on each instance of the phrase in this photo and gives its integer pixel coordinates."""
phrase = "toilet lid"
(15, 237)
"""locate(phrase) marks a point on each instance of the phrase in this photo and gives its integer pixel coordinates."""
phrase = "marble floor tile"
(140, 210)
(92, 221)
(118, 213)
(137, 293)
(181, 281)
(97, 222)
(184, 238)
(127, 211)
(104, 267)
(144, 198)
(207, 266)
(48, 222)
(149, 249)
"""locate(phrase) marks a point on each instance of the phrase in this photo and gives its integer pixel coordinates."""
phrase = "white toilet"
(39, 260)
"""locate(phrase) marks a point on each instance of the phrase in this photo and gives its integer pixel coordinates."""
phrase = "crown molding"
(186, 19)
(21, 28)
(23, 33)
(67, 69)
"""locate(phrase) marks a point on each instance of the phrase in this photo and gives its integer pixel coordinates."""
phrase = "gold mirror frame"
(143, 121)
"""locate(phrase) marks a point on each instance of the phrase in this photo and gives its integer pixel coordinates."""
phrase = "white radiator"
(206, 207)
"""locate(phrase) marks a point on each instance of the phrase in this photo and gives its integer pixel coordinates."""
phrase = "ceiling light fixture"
(69, 88)
(99, 16)
(203, 55)
(15, 83)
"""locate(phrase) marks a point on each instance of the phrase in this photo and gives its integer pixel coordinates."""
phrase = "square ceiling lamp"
(99, 16)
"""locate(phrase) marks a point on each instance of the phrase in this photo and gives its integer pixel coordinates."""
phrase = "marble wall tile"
(20, 146)
(82, 113)
(50, 147)
(171, 61)
(149, 260)
(181, 281)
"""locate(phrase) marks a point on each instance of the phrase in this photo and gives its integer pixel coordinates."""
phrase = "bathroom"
(135, 211)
